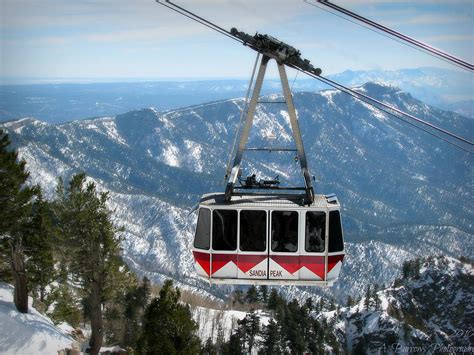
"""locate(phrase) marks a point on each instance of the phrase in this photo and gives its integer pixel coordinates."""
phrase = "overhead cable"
(412, 42)
(182, 11)
(395, 112)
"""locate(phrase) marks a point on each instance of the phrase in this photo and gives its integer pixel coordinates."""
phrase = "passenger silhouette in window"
(284, 231)
(315, 231)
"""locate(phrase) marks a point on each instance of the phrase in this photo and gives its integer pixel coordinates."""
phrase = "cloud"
(432, 19)
(62, 13)
(449, 38)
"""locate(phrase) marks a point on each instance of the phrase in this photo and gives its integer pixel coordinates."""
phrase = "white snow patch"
(419, 177)
(375, 112)
(329, 94)
(170, 154)
(111, 131)
(195, 151)
(30, 333)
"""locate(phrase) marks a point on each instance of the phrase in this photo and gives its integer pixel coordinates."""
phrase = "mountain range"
(61, 102)
(404, 193)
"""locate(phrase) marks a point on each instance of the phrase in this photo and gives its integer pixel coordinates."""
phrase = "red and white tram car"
(269, 239)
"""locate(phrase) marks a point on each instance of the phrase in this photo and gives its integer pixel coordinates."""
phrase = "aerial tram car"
(258, 232)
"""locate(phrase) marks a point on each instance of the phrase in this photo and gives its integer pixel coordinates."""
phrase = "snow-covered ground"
(213, 322)
(31, 333)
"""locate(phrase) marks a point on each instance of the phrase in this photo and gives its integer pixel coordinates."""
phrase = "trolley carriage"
(268, 239)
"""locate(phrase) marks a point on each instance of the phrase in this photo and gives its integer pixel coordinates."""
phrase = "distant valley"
(62, 102)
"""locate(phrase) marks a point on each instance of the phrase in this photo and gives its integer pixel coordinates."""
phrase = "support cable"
(182, 11)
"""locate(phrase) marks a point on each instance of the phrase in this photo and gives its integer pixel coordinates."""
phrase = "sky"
(104, 40)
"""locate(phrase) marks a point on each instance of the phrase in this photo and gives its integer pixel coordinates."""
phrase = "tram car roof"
(268, 201)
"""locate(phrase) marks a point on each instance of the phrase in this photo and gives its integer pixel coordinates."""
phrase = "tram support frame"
(248, 123)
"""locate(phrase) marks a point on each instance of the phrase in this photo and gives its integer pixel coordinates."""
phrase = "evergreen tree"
(66, 306)
(233, 346)
(263, 291)
(237, 297)
(249, 328)
(271, 339)
(15, 205)
(367, 300)
(252, 295)
(168, 327)
(377, 301)
(274, 300)
(209, 348)
(220, 336)
(92, 246)
(350, 301)
(315, 340)
(320, 305)
(135, 301)
(39, 248)
(309, 304)
(296, 323)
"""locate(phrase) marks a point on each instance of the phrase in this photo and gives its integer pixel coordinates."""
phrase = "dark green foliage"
(124, 311)
(66, 306)
(263, 293)
(248, 329)
(237, 297)
(134, 304)
(252, 295)
(209, 348)
(91, 245)
(411, 269)
(91, 241)
(271, 339)
(292, 329)
(275, 300)
(39, 248)
(367, 298)
(296, 319)
(168, 327)
(15, 196)
(233, 346)
(15, 205)
(350, 301)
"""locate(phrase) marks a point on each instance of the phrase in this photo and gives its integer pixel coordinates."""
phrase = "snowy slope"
(431, 310)
(215, 324)
(31, 333)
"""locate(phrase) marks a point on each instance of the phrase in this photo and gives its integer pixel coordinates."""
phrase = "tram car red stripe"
(290, 263)
(333, 260)
(315, 264)
(247, 262)
(204, 260)
(220, 260)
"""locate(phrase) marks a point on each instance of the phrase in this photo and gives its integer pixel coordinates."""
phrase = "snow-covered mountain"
(429, 311)
(444, 88)
(404, 193)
